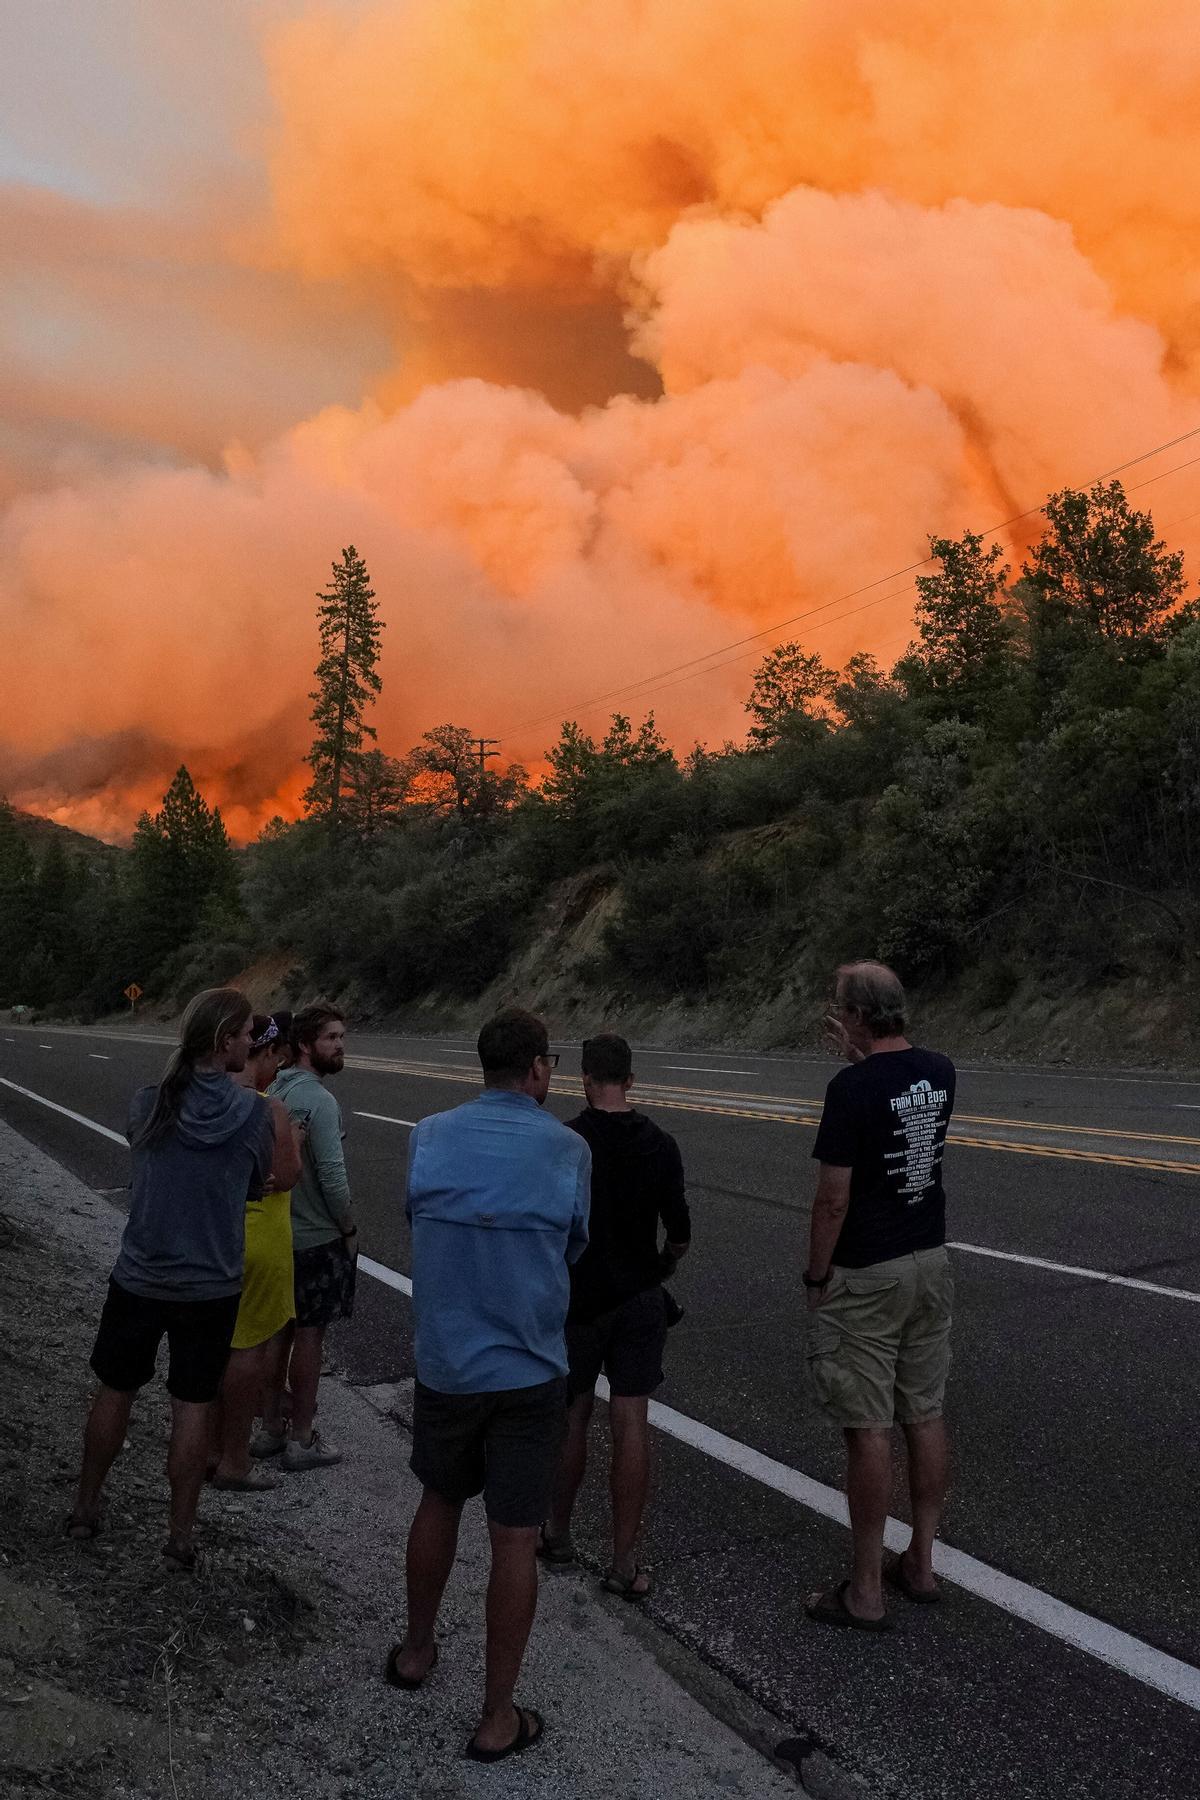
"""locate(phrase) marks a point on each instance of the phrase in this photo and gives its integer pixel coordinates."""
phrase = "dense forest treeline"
(1018, 796)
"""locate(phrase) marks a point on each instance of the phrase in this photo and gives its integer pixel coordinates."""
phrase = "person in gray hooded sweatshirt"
(200, 1146)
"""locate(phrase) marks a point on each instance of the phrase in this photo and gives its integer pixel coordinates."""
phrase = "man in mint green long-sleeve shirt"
(324, 1235)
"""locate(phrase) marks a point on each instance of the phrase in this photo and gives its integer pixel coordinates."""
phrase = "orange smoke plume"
(706, 313)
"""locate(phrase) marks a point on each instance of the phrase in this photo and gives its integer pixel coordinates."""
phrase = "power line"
(641, 688)
(744, 655)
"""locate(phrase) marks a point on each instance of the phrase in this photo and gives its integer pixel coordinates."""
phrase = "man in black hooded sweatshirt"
(617, 1322)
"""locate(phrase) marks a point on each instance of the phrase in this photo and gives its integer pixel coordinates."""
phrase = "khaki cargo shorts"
(879, 1345)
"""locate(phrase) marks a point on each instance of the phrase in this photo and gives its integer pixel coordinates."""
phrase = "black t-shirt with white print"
(885, 1119)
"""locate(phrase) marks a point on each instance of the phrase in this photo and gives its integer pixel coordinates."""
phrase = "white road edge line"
(1118, 1649)
(1106, 1643)
(390, 1277)
(28, 1093)
(1110, 1280)
(387, 1119)
(95, 1056)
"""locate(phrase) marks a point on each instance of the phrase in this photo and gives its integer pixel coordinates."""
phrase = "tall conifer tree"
(347, 682)
(181, 866)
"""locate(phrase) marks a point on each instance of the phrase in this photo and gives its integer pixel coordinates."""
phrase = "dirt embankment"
(1135, 1023)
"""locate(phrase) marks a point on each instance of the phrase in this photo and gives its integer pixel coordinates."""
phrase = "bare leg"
(629, 1479)
(432, 1542)
(511, 1604)
(236, 1410)
(103, 1435)
(186, 1461)
(868, 1490)
(572, 1468)
(928, 1472)
(306, 1378)
(275, 1377)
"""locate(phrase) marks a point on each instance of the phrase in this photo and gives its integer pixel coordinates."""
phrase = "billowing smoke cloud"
(713, 311)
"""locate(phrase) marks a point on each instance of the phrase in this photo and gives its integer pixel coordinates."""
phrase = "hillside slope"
(39, 833)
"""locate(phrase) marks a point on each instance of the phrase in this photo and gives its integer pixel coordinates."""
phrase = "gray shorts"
(503, 1445)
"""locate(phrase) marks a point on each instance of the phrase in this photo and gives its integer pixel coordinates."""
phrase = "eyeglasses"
(551, 1057)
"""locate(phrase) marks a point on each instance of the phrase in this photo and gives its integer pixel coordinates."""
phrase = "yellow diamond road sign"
(133, 992)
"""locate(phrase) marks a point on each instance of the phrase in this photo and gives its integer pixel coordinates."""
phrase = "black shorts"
(324, 1283)
(199, 1333)
(625, 1344)
(504, 1446)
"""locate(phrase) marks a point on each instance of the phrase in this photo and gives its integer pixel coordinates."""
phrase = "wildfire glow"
(703, 311)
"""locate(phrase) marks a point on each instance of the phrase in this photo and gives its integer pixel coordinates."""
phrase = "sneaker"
(267, 1443)
(316, 1455)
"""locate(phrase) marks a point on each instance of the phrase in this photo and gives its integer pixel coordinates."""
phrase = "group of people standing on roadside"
(239, 1248)
(539, 1255)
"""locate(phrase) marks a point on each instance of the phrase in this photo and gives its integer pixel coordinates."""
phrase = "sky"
(609, 331)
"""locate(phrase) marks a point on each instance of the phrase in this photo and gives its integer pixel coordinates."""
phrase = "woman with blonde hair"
(268, 1298)
(199, 1144)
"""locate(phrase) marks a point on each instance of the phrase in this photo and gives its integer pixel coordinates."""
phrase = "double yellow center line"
(766, 1108)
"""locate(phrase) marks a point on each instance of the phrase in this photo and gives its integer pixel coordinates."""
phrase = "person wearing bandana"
(268, 1297)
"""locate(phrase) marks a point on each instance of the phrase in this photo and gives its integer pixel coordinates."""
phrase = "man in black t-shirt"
(617, 1322)
(879, 1284)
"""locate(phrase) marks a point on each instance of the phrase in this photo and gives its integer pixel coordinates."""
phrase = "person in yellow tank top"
(268, 1297)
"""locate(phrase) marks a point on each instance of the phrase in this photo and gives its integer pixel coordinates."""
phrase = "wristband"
(823, 1283)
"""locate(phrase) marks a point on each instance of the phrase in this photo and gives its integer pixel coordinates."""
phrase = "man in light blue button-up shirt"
(498, 1194)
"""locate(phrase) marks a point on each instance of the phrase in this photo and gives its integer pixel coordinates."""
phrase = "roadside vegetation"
(1017, 797)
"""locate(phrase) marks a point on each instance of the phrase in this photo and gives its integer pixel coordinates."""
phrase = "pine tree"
(182, 868)
(347, 682)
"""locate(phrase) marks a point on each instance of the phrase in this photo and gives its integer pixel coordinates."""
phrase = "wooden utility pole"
(484, 751)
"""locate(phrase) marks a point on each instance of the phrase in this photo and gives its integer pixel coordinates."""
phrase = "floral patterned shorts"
(324, 1283)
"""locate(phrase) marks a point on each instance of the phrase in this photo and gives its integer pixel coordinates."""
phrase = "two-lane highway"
(1073, 1203)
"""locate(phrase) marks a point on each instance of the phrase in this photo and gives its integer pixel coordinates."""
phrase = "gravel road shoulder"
(260, 1676)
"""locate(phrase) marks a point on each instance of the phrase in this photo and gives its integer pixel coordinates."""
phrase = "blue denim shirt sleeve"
(413, 1138)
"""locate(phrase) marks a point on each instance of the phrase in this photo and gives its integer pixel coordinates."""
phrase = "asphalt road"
(1073, 1400)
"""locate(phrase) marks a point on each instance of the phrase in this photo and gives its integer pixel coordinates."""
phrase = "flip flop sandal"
(893, 1574)
(831, 1609)
(80, 1531)
(626, 1585)
(558, 1551)
(253, 1483)
(178, 1560)
(527, 1736)
(394, 1678)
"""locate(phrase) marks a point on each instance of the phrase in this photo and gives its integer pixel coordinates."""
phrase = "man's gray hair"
(873, 992)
